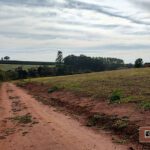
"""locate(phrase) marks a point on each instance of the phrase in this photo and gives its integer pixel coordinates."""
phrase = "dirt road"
(26, 124)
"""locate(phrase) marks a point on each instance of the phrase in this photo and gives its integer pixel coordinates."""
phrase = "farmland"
(134, 84)
(6, 67)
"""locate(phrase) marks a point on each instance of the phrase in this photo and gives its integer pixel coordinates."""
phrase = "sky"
(37, 29)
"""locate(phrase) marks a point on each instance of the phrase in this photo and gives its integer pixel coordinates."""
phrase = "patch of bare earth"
(26, 124)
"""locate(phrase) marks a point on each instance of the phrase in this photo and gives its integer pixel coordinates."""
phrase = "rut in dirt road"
(26, 124)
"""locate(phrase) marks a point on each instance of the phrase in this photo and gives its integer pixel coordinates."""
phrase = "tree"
(59, 59)
(6, 58)
(138, 63)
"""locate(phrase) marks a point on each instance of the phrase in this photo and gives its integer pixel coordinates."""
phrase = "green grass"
(134, 84)
(6, 67)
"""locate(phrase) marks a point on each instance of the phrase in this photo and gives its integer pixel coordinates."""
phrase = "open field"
(6, 67)
(133, 85)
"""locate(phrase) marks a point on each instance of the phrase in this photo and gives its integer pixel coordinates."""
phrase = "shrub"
(145, 105)
(116, 96)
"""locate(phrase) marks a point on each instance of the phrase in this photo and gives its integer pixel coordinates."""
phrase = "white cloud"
(82, 26)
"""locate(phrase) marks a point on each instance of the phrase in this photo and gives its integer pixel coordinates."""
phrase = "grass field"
(132, 84)
(6, 67)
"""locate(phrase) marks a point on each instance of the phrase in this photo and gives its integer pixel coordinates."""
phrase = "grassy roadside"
(132, 85)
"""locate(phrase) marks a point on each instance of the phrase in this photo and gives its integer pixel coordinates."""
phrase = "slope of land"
(134, 85)
(89, 95)
(26, 124)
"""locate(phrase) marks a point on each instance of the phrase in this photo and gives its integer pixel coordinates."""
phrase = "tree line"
(79, 64)
(69, 65)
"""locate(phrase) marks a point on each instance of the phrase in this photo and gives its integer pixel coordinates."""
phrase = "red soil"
(49, 130)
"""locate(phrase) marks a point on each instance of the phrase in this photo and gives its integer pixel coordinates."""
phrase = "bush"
(116, 96)
(145, 105)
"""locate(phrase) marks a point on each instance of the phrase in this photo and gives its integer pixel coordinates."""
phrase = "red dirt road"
(49, 129)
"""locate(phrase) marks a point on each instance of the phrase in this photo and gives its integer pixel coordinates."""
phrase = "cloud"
(75, 26)
(144, 4)
(102, 9)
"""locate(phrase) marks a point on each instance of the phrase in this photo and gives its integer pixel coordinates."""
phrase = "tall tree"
(6, 58)
(138, 63)
(59, 59)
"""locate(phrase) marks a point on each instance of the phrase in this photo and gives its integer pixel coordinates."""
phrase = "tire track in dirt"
(46, 129)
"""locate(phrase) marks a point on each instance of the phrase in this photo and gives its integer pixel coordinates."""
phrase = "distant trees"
(138, 63)
(60, 70)
(69, 65)
(59, 59)
(6, 58)
(83, 63)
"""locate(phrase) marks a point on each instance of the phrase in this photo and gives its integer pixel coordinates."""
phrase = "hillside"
(118, 101)
(134, 84)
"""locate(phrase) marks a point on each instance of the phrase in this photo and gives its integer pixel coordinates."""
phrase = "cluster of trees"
(6, 58)
(82, 63)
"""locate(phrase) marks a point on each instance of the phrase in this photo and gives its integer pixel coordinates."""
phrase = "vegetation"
(69, 65)
(133, 83)
(59, 59)
(6, 58)
(120, 124)
(82, 63)
(39, 63)
(116, 96)
(25, 119)
(139, 63)
(6, 67)
(145, 105)
(103, 119)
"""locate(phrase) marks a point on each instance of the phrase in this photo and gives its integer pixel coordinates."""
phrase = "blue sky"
(37, 29)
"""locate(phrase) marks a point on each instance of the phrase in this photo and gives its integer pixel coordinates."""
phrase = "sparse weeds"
(145, 105)
(120, 124)
(21, 83)
(25, 119)
(111, 122)
(93, 120)
(116, 96)
(126, 129)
